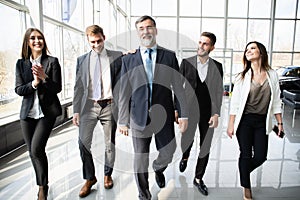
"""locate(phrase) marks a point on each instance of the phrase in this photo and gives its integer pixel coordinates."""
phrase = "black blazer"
(47, 90)
(134, 92)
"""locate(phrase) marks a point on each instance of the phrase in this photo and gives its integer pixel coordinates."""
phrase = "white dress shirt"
(153, 57)
(36, 110)
(202, 69)
(105, 72)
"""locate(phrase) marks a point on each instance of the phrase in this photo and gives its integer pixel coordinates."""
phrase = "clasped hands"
(38, 74)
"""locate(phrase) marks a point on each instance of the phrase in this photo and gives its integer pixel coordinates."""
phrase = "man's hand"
(183, 124)
(176, 117)
(75, 119)
(123, 130)
(132, 51)
(214, 121)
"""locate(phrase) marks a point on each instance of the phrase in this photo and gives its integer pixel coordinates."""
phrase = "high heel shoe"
(247, 194)
(43, 192)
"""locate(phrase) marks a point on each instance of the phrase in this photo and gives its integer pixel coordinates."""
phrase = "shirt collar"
(103, 53)
(143, 49)
(198, 61)
(37, 60)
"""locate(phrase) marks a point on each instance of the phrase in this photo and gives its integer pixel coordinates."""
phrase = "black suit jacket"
(134, 92)
(214, 82)
(47, 90)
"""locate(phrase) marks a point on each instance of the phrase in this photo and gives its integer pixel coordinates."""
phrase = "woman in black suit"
(38, 80)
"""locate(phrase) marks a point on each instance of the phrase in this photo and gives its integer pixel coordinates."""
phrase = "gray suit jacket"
(214, 81)
(83, 78)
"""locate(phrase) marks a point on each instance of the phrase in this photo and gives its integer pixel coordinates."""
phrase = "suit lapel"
(139, 57)
(85, 65)
(45, 63)
(140, 63)
(193, 69)
(27, 69)
(159, 57)
(111, 64)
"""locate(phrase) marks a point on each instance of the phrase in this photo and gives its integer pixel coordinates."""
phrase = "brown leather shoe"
(86, 188)
(108, 182)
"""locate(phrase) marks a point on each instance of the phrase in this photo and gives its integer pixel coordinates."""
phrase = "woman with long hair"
(38, 81)
(255, 98)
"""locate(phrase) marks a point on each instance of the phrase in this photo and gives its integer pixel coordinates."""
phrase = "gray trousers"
(87, 124)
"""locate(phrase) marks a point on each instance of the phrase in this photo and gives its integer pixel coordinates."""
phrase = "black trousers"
(165, 144)
(253, 143)
(206, 135)
(36, 133)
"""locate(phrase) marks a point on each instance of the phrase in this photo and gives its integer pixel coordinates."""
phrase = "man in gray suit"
(97, 73)
(204, 75)
(146, 104)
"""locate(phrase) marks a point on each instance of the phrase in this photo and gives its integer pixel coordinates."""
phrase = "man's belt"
(104, 102)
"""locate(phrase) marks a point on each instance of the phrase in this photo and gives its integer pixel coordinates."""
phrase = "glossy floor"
(277, 178)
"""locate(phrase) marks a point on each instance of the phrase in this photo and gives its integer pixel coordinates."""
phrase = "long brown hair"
(264, 59)
(26, 50)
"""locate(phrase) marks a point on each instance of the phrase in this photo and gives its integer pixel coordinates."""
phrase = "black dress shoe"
(160, 179)
(182, 165)
(201, 187)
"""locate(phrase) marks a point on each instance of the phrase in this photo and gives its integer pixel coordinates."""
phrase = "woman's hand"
(38, 72)
(230, 130)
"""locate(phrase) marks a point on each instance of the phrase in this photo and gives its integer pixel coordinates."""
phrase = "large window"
(63, 24)
(234, 22)
(62, 43)
(10, 51)
(190, 8)
(236, 34)
(73, 47)
(237, 8)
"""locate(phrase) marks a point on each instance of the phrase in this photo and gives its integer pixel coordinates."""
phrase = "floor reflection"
(277, 178)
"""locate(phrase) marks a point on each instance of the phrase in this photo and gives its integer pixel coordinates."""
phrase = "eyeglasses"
(147, 28)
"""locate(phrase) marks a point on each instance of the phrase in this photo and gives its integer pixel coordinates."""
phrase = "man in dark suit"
(97, 73)
(146, 103)
(204, 75)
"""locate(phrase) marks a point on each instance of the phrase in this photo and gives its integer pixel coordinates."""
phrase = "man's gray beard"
(147, 42)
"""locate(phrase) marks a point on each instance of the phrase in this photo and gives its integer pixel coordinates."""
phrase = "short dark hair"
(211, 36)
(94, 29)
(26, 51)
(143, 18)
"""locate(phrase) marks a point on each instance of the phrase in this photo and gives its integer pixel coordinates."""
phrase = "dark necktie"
(149, 72)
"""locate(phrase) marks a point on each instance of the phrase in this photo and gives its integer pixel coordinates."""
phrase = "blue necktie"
(149, 72)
